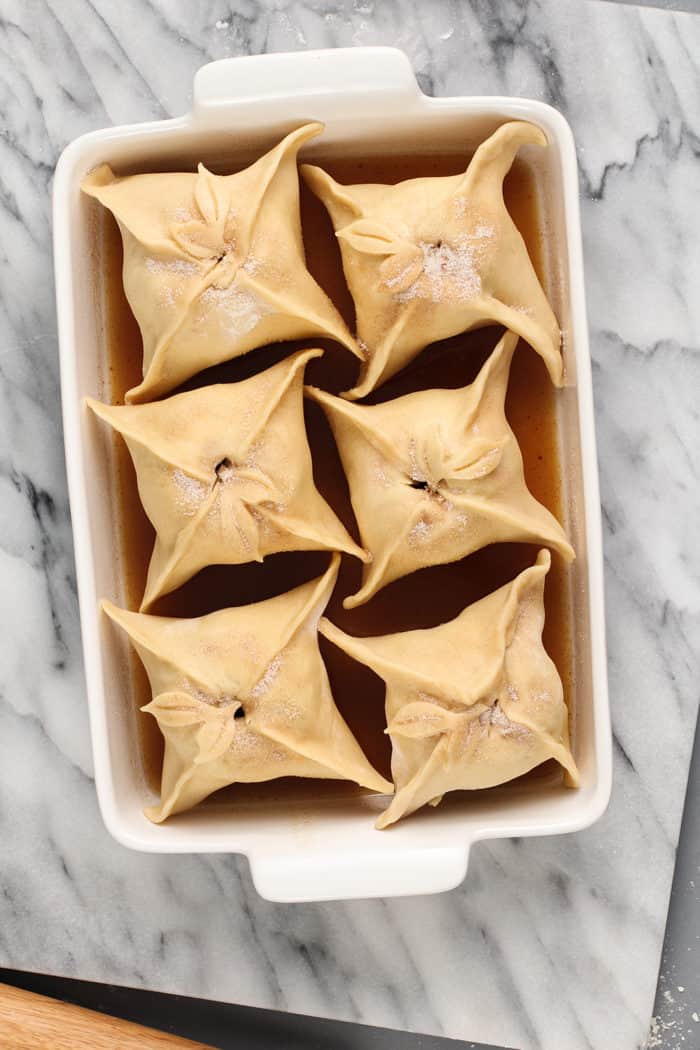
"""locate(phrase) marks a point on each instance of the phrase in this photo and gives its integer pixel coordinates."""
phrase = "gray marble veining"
(551, 944)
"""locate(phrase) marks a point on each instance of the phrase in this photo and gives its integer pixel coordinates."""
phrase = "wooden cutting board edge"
(35, 1022)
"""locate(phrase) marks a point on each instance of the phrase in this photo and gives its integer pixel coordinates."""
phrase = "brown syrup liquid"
(423, 599)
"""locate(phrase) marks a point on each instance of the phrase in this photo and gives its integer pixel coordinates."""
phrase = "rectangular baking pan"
(370, 103)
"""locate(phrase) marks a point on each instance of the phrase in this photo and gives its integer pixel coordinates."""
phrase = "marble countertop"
(550, 943)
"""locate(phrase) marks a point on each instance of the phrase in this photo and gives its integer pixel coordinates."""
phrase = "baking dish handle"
(341, 80)
(299, 878)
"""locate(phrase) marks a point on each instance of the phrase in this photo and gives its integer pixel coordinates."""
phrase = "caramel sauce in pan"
(424, 599)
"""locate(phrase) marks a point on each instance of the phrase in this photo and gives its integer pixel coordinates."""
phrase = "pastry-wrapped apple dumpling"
(436, 475)
(214, 265)
(242, 696)
(225, 475)
(428, 258)
(472, 703)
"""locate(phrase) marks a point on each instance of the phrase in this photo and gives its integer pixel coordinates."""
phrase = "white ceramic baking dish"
(371, 103)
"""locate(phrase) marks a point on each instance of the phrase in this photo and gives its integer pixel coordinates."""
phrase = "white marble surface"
(550, 944)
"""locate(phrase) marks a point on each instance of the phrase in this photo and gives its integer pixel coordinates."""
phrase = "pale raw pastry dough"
(437, 475)
(472, 703)
(225, 475)
(432, 257)
(214, 264)
(242, 696)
